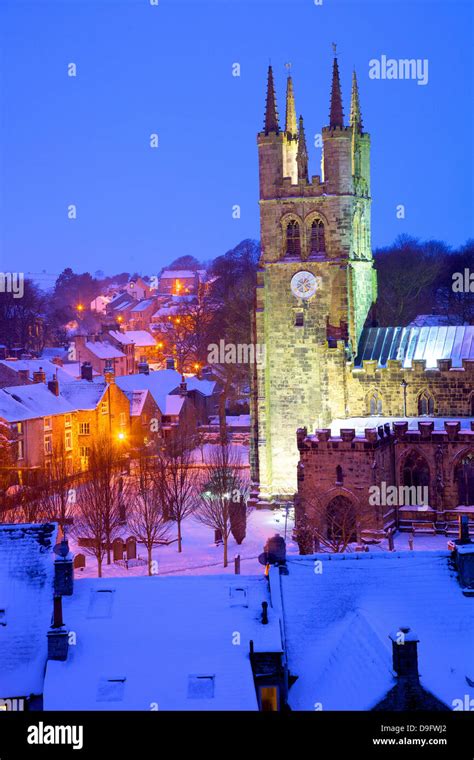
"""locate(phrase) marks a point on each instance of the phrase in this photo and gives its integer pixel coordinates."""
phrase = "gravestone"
(131, 548)
(118, 549)
(79, 561)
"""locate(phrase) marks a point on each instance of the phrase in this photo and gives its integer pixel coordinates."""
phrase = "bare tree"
(99, 497)
(222, 484)
(332, 527)
(57, 487)
(147, 514)
(181, 476)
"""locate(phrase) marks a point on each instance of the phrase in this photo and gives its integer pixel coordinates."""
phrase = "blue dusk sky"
(167, 69)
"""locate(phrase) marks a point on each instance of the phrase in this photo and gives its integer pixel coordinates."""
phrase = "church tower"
(316, 281)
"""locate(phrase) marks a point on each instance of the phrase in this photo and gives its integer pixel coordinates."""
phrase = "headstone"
(118, 549)
(131, 548)
(218, 536)
(79, 561)
(237, 564)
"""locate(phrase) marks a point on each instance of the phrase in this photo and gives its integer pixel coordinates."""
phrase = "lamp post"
(404, 385)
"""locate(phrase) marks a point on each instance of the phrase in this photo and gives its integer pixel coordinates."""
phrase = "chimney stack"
(405, 653)
(53, 386)
(86, 371)
(39, 376)
(58, 637)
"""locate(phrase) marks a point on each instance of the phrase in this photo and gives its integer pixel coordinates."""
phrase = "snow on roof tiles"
(26, 595)
(161, 383)
(143, 305)
(83, 394)
(28, 402)
(104, 350)
(159, 634)
(141, 338)
(173, 274)
(338, 622)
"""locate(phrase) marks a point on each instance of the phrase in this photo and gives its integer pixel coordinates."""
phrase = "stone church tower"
(316, 281)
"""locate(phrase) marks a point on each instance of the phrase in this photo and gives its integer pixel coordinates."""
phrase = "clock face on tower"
(304, 284)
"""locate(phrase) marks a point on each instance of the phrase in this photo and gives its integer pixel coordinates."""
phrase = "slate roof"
(338, 622)
(29, 402)
(26, 597)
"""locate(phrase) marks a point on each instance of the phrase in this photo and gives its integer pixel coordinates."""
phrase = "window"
(68, 440)
(85, 451)
(111, 689)
(84, 428)
(47, 423)
(299, 319)
(122, 418)
(464, 477)
(375, 403)
(425, 403)
(19, 427)
(67, 420)
(416, 471)
(104, 407)
(48, 444)
(318, 242)
(339, 475)
(20, 449)
(200, 687)
(269, 698)
(293, 242)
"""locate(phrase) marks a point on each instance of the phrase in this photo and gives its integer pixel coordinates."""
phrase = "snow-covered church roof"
(174, 643)
(338, 621)
(26, 605)
(411, 343)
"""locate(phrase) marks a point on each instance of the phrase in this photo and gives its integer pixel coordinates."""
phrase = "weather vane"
(288, 67)
(334, 48)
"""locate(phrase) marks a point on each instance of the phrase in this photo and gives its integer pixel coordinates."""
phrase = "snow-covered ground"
(201, 556)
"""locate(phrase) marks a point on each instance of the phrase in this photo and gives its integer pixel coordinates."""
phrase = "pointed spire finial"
(302, 154)
(356, 116)
(336, 114)
(290, 119)
(271, 113)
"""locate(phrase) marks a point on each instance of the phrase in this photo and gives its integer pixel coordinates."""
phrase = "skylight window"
(238, 596)
(111, 689)
(100, 603)
(201, 687)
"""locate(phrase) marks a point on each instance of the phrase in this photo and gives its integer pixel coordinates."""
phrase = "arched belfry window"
(464, 477)
(425, 403)
(293, 239)
(375, 403)
(318, 241)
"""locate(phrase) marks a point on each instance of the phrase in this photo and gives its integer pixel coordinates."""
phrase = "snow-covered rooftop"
(161, 383)
(35, 365)
(26, 605)
(104, 350)
(338, 621)
(83, 394)
(163, 642)
(361, 423)
(173, 274)
(142, 305)
(411, 343)
(29, 402)
(137, 337)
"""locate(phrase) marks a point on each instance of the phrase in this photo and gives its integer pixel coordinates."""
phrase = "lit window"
(269, 698)
(48, 423)
(104, 407)
(84, 428)
(19, 428)
(48, 444)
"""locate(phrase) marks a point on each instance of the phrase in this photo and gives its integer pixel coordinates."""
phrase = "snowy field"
(201, 556)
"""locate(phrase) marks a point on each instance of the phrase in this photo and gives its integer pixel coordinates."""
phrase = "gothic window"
(318, 242)
(425, 403)
(293, 240)
(341, 521)
(375, 403)
(416, 471)
(339, 475)
(464, 477)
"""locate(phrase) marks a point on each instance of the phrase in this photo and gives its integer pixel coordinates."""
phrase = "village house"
(178, 282)
(101, 354)
(138, 345)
